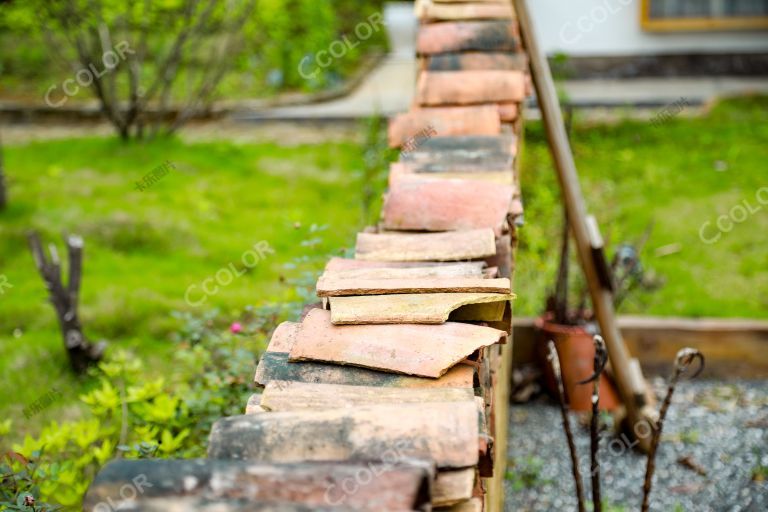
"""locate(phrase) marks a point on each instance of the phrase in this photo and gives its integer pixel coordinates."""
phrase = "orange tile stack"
(392, 393)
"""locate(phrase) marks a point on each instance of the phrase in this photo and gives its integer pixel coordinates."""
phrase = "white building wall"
(594, 28)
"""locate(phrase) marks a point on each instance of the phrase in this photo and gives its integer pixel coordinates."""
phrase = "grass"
(144, 249)
(634, 174)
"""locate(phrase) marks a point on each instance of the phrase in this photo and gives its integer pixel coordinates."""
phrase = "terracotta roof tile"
(431, 11)
(452, 246)
(494, 36)
(470, 87)
(446, 205)
(444, 432)
(412, 128)
(411, 349)
(399, 485)
(421, 308)
(468, 61)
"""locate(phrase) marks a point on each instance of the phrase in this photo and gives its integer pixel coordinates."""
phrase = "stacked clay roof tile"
(392, 393)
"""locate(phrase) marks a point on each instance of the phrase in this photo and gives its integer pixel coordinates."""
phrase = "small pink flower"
(235, 328)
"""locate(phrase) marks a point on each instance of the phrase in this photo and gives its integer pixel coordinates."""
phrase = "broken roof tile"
(464, 36)
(275, 366)
(468, 61)
(420, 308)
(469, 87)
(450, 246)
(474, 504)
(331, 286)
(433, 11)
(446, 433)
(336, 264)
(447, 205)
(411, 128)
(405, 172)
(411, 349)
(451, 269)
(452, 487)
(293, 396)
(283, 337)
(509, 111)
(481, 153)
(399, 484)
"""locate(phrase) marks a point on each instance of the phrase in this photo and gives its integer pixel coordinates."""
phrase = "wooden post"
(602, 297)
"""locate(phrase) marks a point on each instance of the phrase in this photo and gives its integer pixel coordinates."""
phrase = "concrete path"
(387, 90)
(659, 91)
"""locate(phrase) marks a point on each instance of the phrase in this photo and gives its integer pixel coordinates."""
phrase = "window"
(670, 15)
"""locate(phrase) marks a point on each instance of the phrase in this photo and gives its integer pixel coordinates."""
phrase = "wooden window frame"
(697, 24)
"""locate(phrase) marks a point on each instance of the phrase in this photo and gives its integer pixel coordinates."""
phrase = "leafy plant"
(525, 475)
(376, 158)
(135, 417)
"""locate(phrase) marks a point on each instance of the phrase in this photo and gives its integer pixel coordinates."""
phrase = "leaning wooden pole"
(602, 297)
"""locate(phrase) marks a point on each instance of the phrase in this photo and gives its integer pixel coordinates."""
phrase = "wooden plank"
(447, 205)
(565, 164)
(465, 36)
(338, 264)
(446, 433)
(469, 87)
(411, 349)
(453, 487)
(429, 11)
(332, 286)
(282, 396)
(391, 485)
(421, 308)
(411, 128)
(275, 366)
(453, 246)
(735, 348)
(463, 154)
(468, 61)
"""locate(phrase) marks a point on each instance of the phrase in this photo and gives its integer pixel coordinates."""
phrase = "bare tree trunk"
(3, 193)
(65, 300)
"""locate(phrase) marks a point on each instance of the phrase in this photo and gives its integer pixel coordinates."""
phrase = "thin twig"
(684, 359)
(600, 360)
(554, 361)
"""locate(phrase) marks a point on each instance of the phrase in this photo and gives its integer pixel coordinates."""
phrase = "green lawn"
(144, 249)
(678, 176)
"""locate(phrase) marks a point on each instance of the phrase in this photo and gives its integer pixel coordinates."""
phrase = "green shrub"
(134, 417)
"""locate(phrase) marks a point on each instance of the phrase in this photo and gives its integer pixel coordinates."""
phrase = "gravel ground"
(721, 427)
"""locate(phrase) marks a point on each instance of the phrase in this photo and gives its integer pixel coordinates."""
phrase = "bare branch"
(554, 361)
(683, 361)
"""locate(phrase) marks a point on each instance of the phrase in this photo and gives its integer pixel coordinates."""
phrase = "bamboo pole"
(602, 298)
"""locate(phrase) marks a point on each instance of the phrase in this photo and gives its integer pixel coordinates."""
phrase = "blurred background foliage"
(278, 35)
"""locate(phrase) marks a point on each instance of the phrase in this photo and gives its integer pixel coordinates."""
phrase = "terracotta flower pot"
(577, 351)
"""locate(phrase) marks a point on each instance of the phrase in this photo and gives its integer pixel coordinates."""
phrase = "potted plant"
(572, 328)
